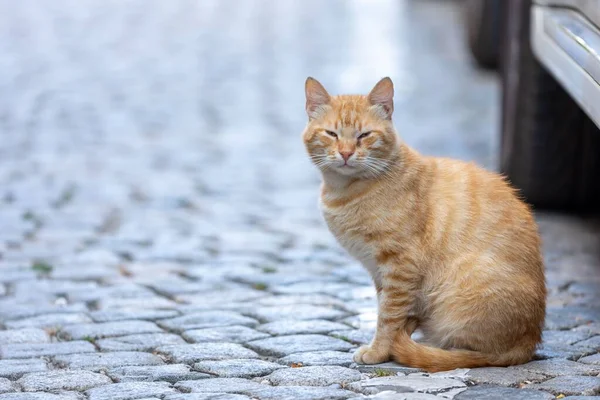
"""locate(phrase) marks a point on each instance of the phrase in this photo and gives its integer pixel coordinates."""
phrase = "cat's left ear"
(382, 96)
(316, 97)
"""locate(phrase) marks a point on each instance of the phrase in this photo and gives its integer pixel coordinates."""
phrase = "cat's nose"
(346, 154)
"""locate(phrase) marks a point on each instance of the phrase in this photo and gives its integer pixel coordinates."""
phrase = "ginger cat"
(450, 247)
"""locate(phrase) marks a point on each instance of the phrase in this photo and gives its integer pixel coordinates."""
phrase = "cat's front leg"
(394, 297)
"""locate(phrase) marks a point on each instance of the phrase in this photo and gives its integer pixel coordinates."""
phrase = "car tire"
(482, 22)
(550, 149)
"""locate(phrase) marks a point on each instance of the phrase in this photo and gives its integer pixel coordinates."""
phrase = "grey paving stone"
(191, 353)
(564, 337)
(14, 369)
(30, 350)
(130, 390)
(503, 376)
(391, 367)
(237, 368)
(556, 350)
(314, 376)
(414, 382)
(48, 321)
(285, 345)
(593, 343)
(502, 393)
(389, 395)
(211, 300)
(294, 327)
(595, 359)
(52, 381)
(100, 361)
(235, 334)
(117, 292)
(28, 335)
(124, 315)
(570, 385)
(207, 319)
(84, 272)
(326, 357)
(15, 310)
(207, 396)
(142, 342)
(35, 396)
(326, 288)
(218, 385)
(169, 373)
(109, 329)
(559, 318)
(299, 312)
(151, 302)
(309, 298)
(300, 393)
(7, 386)
(558, 367)
(591, 328)
(358, 336)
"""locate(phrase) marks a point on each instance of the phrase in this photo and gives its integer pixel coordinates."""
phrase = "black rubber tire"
(550, 149)
(483, 29)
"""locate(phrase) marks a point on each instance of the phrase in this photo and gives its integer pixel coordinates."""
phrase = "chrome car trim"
(569, 47)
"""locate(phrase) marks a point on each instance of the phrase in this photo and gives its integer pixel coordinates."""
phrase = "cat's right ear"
(316, 98)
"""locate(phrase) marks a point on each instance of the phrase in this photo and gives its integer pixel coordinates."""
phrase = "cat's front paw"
(370, 355)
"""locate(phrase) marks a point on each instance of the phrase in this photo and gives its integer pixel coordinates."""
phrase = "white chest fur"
(352, 241)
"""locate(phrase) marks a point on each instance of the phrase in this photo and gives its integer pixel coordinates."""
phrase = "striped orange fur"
(451, 248)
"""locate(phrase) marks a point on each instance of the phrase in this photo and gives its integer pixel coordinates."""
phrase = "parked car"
(548, 54)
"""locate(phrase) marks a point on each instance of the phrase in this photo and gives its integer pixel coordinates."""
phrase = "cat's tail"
(432, 359)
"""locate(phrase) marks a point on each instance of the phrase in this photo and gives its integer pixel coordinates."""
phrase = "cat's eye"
(332, 134)
(363, 135)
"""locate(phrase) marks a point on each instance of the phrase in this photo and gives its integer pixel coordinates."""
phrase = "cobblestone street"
(160, 233)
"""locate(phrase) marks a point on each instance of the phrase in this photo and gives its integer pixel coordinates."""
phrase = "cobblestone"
(124, 315)
(237, 368)
(7, 386)
(191, 353)
(299, 312)
(108, 329)
(219, 385)
(14, 369)
(293, 327)
(571, 385)
(100, 361)
(130, 391)
(208, 319)
(558, 367)
(143, 342)
(62, 380)
(37, 396)
(301, 393)
(169, 373)
(30, 350)
(326, 357)
(503, 376)
(500, 393)
(48, 321)
(314, 376)
(284, 345)
(594, 359)
(19, 336)
(235, 334)
(207, 396)
(158, 207)
(413, 382)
